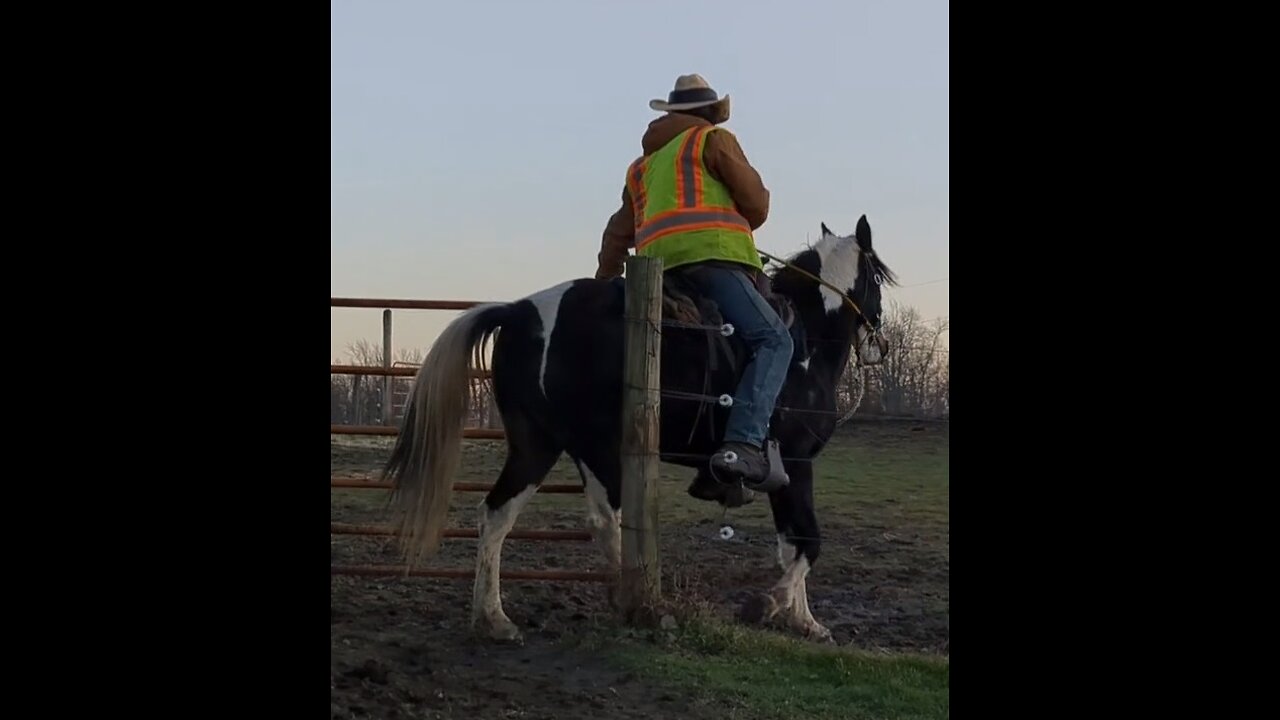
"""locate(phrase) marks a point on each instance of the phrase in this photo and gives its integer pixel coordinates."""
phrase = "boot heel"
(777, 477)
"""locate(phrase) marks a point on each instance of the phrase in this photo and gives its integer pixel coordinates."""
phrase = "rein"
(841, 293)
(844, 295)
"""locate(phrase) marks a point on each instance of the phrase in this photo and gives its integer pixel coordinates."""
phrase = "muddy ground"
(402, 648)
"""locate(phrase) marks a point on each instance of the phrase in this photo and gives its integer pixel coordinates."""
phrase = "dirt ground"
(402, 648)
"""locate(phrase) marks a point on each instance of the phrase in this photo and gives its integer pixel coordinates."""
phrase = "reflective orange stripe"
(688, 221)
(689, 170)
(635, 179)
(690, 161)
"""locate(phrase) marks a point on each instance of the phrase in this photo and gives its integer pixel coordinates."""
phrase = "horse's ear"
(863, 233)
(826, 230)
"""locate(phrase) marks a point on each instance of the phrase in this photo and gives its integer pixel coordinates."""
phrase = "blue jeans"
(769, 342)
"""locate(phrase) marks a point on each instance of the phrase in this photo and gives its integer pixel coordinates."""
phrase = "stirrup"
(777, 477)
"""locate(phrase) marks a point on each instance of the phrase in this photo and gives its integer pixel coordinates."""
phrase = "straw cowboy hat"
(692, 91)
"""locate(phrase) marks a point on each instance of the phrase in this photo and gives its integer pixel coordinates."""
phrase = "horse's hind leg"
(530, 456)
(604, 516)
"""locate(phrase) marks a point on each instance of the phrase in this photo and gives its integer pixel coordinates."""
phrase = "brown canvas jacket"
(725, 161)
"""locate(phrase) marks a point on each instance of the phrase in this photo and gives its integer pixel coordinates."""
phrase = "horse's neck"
(829, 342)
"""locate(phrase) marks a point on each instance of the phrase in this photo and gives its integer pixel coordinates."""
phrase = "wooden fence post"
(387, 415)
(640, 581)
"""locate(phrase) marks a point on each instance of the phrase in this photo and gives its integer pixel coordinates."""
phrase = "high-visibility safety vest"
(683, 214)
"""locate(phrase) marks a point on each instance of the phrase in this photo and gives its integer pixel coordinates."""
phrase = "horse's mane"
(786, 281)
(876, 266)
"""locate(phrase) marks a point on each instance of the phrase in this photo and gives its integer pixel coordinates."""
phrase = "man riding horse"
(693, 200)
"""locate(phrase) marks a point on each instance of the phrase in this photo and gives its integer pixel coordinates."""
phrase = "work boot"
(706, 487)
(740, 462)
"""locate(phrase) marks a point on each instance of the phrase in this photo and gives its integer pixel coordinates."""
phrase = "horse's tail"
(427, 452)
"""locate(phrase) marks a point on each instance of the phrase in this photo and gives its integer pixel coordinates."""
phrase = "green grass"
(879, 474)
(892, 475)
(886, 473)
(755, 674)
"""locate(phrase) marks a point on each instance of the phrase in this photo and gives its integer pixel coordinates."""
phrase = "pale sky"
(479, 147)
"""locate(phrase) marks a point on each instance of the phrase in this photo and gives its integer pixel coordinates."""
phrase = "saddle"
(683, 302)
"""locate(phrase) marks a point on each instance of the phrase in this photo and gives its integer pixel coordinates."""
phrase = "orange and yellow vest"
(683, 214)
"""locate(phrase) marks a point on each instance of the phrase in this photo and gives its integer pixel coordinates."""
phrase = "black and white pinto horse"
(557, 368)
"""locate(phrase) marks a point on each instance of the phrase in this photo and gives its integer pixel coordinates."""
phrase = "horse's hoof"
(502, 630)
(817, 632)
(507, 634)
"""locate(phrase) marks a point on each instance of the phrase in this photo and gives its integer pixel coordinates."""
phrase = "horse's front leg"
(799, 543)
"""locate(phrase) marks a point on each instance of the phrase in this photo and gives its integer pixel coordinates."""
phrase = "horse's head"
(852, 275)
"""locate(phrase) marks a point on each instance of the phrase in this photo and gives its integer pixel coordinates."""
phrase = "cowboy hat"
(690, 92)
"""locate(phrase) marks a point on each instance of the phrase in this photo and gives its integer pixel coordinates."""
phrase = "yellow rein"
(843, 295)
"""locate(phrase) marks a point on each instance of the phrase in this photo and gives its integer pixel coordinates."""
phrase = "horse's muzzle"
(871, 351)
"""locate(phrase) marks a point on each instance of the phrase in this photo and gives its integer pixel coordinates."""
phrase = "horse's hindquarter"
(573, 386)
(579, 392)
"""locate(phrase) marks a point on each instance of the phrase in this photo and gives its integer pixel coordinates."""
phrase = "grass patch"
(900, 474)
(879, 474)
(756, 674)
(871, 473)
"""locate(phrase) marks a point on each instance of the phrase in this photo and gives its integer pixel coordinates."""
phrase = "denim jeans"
(770, 344)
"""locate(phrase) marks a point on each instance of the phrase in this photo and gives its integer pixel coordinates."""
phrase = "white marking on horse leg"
(790, 595)
(486, 599)
(801, 617)
(804, 364)
(547, 303)
(786, 552)
(783, 591)
(605, 522)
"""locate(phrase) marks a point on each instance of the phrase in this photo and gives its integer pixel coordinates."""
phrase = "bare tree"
(357, 399)
(913, 378)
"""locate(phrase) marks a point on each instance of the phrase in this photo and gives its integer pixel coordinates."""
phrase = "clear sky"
(478, 147)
